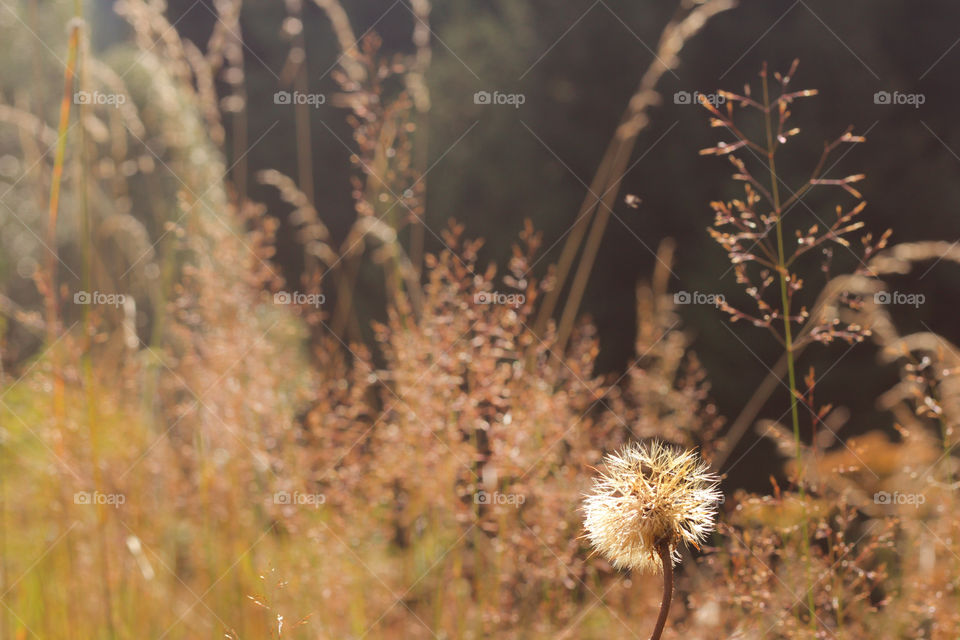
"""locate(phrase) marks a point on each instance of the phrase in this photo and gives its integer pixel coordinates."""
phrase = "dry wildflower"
(649, 503)
(650, 497)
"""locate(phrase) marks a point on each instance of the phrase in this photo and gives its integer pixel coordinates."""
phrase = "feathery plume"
(650, 501)
(649, 497)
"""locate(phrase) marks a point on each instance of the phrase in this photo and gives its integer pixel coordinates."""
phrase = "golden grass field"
(192, 447)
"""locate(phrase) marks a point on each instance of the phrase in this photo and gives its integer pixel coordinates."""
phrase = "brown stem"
(664, 550)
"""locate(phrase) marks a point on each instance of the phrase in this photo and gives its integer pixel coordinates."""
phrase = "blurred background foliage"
(577, 63)
(491, 167)
(220, 399)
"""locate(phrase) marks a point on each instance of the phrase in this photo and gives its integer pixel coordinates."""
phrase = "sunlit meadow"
(194, 446)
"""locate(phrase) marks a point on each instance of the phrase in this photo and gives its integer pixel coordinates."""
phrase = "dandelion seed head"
(650, 495)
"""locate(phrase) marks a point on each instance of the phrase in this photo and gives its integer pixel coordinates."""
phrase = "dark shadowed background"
(576, 63)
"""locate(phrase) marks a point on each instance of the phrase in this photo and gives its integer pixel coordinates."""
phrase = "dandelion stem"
(664, 550)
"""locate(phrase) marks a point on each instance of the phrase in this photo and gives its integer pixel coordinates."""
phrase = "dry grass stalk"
(606, 182)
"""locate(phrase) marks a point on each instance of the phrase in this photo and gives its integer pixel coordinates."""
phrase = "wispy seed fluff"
(650, 496)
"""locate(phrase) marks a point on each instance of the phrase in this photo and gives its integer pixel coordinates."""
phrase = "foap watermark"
(897, 297)
(912, 99)
(99, 298)
(298, 498)
(512, 99)
(97, 497)
(885, 497)
(299, 97)
(697, 297)
(98, 98)
(485, 497)
(514, 300)
(687, 97)
(299, 298)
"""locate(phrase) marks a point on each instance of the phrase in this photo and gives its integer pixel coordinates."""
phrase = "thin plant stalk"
(739, 224)
(572, 244)
(787, 331)
(89, 382)
(663, 550)
(783, 273)
(302, 110)
(417, 85)
(51, 303)
(766, 388)
(50, 293)
(604, 206)
(228, 51)
(606, 181)
(50, 297)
